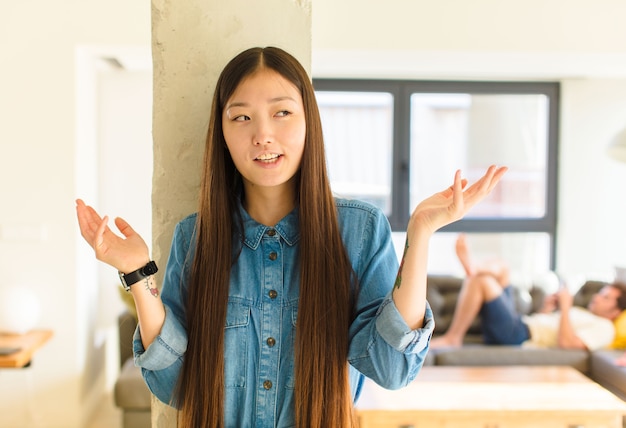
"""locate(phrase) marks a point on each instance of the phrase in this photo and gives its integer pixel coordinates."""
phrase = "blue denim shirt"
(262, 313)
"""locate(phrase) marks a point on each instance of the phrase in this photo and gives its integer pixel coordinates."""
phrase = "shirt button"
(271, 341)
(267, 384)
(273, 256)
(273, 294)
(271, 232)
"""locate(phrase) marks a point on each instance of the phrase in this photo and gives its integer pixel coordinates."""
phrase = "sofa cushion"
(607, 373)
(491, 355)
(584, 293)
(131, 391)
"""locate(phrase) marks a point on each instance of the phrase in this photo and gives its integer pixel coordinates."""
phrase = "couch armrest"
(607, 373)
(126, 323)
(131, 392)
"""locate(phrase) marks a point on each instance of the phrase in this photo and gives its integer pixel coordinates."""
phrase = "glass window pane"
(526, 254)
(473, 131)
(358, 132)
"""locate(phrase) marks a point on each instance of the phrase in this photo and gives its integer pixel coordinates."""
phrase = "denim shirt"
(263, 310)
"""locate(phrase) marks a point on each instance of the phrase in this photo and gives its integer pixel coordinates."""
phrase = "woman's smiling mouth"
(268, 157)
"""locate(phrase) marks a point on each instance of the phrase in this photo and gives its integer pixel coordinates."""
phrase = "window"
(360, 144)
(394, 143)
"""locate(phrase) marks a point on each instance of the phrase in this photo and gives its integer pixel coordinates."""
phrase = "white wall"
(477, 39)
(592, 218)
(527, 40)
(476, 26)
(39, 46)
(124, 100)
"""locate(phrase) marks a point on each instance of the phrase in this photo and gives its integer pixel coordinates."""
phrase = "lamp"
(617, 147)
(19, 309)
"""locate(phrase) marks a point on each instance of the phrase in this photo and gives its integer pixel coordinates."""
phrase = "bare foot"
(444, 341)
(462, 252)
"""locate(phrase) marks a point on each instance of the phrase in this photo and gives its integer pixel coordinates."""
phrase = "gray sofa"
(133, 397)
(131, 394)
(598, 365)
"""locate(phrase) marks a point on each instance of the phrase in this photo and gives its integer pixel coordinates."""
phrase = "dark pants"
(500, 322)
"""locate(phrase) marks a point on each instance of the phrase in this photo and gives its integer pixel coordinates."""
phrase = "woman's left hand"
(453, 203)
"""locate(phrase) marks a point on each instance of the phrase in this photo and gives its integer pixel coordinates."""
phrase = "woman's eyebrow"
(270, 101)
(235, 104)
(278, 99)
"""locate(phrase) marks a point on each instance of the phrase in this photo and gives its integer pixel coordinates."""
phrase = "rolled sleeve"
(169, 346)
(394, 330)
(382, 346)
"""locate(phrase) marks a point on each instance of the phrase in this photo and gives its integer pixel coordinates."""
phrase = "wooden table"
(490, 397)
(28, 344)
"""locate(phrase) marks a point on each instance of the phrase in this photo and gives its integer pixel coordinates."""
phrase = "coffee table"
(490, 397)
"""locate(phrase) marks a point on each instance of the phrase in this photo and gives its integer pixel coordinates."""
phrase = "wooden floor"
(107, 415)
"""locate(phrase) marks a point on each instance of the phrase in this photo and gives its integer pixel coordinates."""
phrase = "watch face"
(150, 269)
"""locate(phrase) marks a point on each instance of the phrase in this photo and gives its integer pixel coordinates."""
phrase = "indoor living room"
(489, 41)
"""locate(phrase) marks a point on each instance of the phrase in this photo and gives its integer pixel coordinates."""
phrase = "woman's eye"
(283, 113)
(241, 118)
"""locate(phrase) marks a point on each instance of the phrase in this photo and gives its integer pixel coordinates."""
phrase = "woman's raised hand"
(126, 254)
(454, 202)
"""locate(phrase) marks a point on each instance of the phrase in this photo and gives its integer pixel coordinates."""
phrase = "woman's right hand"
(126, 254)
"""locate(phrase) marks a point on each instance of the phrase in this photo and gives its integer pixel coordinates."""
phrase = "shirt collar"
(287, 228)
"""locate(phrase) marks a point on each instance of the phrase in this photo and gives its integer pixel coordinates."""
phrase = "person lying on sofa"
(559, 324)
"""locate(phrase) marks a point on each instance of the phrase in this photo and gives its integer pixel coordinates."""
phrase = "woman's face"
(264, 128)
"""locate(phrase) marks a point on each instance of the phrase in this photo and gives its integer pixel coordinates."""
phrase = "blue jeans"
(500, 321)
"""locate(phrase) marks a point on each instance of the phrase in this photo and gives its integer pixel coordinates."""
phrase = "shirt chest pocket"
(236, 345)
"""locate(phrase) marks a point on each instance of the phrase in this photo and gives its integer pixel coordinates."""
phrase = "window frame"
(401, 90)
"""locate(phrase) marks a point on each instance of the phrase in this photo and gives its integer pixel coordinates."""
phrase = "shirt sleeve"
(382, 346)
(395, 331)
(162, 360)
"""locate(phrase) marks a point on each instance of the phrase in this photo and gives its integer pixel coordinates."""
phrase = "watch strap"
(134, 277)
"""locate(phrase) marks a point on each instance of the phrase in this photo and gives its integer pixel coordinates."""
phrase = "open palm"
(125, 253)
(453, 203)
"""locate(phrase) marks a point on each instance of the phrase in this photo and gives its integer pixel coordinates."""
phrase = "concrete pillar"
(192, 40)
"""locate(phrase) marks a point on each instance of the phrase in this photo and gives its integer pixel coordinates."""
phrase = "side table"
(26, 345)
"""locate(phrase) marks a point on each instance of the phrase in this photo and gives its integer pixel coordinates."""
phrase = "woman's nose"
(262, 132)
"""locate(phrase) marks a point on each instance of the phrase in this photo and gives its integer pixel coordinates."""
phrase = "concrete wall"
(192, 42)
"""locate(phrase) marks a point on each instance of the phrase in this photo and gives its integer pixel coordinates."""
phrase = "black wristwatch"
(129, 279)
